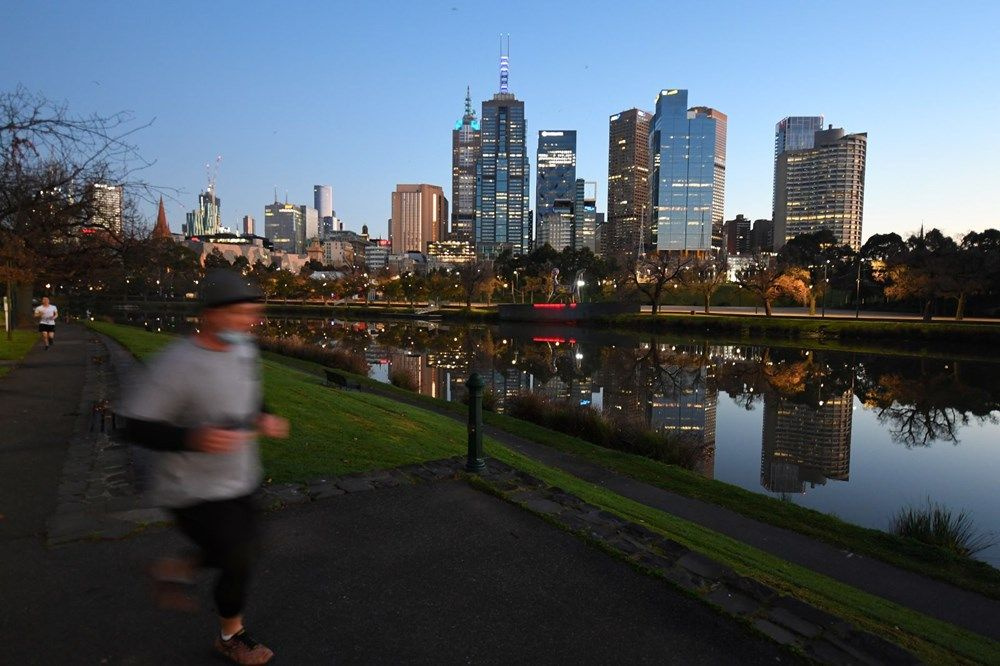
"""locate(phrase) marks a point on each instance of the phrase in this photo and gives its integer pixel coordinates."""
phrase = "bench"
(334, 378)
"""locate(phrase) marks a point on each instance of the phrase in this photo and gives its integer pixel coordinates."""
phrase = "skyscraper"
(248, 229)
(323, 200)
(284, 226)
(795, 133)
(688, 179)
(108, 207)
(585, 216)
(628, 180)
(821, 187)
(419, 216)
(737, 235)
(555, 188)
(502, 175)
(207, 218)
(466, 145)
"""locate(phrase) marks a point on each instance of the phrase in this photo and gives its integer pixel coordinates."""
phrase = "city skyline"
(876, 85)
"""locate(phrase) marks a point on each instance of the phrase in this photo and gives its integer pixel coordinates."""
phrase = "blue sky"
(363, 95)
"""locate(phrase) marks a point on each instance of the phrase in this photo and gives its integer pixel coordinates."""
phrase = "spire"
(504, 66)
(162, 229)
(468, 102)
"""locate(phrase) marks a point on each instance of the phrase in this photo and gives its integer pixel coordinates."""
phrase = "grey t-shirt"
(189, 386)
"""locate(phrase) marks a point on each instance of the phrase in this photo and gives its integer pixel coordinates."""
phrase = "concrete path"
(929, 596)
(436, 573)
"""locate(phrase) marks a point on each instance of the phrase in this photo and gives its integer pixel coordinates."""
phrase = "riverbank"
(319, 412)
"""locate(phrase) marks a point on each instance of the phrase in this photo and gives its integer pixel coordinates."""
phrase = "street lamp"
(857, 292)
(826, 284)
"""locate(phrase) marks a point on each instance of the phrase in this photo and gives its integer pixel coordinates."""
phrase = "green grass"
(337, 432)
(906, 553)
(16, 349)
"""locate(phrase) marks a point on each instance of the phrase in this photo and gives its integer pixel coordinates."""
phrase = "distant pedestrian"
(46, 314)
(199, 405)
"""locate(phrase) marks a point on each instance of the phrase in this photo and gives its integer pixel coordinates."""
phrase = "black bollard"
(476, 461)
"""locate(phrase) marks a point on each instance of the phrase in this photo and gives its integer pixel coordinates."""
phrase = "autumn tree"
(769, 281)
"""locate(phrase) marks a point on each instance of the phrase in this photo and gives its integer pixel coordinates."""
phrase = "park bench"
(334, 378)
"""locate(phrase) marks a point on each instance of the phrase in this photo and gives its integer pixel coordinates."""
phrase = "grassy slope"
(15, 349)
(905, 553)
(354, 428)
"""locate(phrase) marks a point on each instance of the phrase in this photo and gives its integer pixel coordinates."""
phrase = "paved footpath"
(932, 597)
(430, 573)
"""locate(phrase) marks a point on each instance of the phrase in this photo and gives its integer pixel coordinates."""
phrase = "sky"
(364, 95)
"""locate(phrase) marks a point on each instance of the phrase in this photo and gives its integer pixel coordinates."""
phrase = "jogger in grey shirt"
(198, 405)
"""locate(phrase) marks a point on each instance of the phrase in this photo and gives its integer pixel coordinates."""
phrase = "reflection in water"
(674, 385)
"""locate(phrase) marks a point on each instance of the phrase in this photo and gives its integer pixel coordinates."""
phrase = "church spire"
(162, 229)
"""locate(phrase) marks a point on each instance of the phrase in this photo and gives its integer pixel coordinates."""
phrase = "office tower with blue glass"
(555, 188)
(688, 175)
(466, 145)
(503, 218)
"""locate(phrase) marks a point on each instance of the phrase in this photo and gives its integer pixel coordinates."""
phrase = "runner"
(199, 405)
(46, 315)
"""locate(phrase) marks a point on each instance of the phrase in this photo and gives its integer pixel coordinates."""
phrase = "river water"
(855, 434)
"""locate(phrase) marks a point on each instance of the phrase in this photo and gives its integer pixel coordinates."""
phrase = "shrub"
(333, 357)
(489, 399)
(404, 379)
(937, 525)
(593, 426)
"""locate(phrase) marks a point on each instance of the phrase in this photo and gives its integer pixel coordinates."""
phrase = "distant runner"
(46, 314)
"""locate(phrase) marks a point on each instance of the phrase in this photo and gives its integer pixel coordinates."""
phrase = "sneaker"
(241, 649)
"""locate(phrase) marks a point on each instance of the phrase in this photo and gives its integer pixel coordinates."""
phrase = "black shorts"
(46, 328)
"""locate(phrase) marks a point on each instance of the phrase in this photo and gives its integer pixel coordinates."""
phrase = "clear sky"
(364, 95)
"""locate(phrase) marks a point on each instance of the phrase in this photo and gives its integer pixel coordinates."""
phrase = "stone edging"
(816, 633)
(819, 635)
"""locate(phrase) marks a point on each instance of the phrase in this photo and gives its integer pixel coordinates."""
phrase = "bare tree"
(765, 278)
(50, 161)
(652, 273)
(704, 277)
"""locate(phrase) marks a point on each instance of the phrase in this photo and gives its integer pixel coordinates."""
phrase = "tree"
(924, 271)
(820, 258)
(50, 161)
(765, 278)
(704, 277)
(652, 273)
(472, 278)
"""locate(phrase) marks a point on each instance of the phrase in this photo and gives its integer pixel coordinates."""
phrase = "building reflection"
(804, 444)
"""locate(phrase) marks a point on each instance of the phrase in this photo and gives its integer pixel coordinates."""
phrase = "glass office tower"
(688, 177)
(555, 184)
(628, 181)
(503, 217)
(465, 148)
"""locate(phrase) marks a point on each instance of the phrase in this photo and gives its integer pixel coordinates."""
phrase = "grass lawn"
(15, 350)
(335, 432)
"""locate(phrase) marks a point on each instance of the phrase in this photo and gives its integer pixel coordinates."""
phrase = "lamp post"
(826, 284)
(857, 292)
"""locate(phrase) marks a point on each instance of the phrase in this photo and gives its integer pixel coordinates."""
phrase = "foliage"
(652, 273)
(769, 280)
(937, 525)
(332, 357)
(404, 379)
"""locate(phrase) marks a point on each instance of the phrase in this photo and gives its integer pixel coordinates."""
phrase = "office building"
(762, 236)
(310, 217)
(822, 187)
(628, 181)
(449, 253)
(585, 216)
(466, 145)
(419, 216)
(284, 226)
(795, 133)
(503, 218)
(688, 177)
(323, 200)
(248, 225)
(108, 207)
(737, 235)
(206, 220)
(555, 187)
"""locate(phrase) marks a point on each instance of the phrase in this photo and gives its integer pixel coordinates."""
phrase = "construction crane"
(212, 174)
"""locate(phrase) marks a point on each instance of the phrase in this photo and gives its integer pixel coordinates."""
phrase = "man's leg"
(45, 337)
